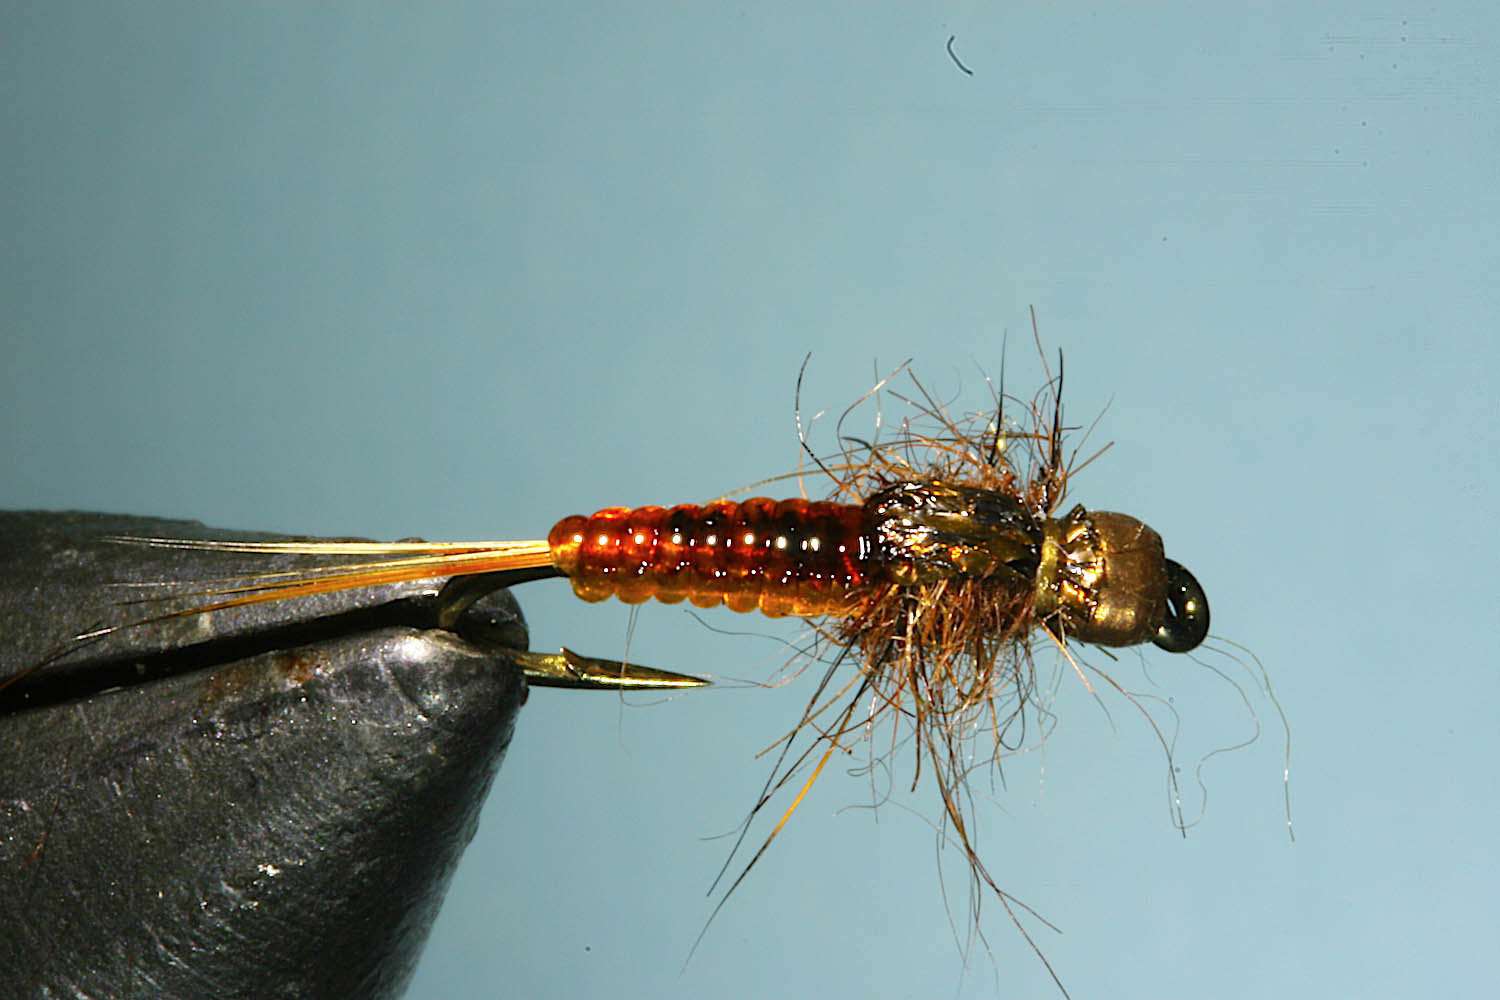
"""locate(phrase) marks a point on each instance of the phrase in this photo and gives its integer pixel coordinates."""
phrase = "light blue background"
(458, 271)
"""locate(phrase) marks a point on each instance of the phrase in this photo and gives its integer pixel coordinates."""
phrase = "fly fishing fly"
(940, 557)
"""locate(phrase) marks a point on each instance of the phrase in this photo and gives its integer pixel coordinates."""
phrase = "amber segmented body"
(780, 557)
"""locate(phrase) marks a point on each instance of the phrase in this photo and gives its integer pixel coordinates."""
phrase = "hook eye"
(1186, 623)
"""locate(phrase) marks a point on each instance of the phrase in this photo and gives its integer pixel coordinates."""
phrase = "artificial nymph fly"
(939, 556)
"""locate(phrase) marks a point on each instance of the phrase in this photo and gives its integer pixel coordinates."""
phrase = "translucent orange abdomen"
(780, 557)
